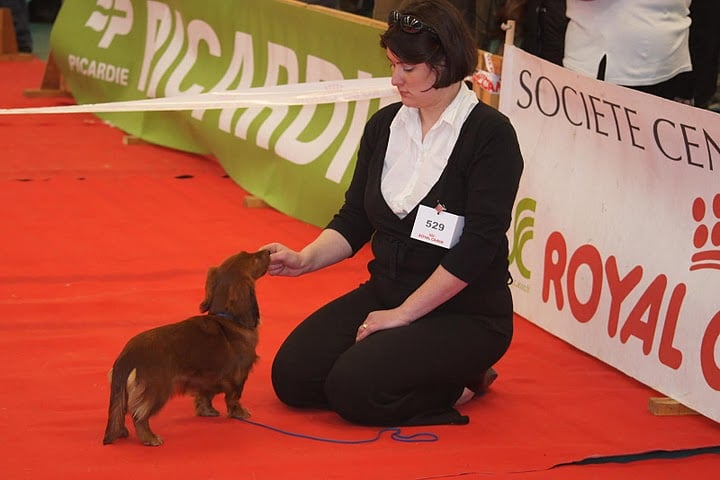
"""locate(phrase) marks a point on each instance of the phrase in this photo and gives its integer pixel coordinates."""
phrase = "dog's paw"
(238, 412)
(204, 408)
(111, 436)
(154, 441)
(206, 412)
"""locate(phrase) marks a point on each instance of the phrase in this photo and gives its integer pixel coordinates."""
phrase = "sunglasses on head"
(408, 23)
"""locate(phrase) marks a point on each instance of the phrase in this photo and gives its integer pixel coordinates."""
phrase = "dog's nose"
(263, 259)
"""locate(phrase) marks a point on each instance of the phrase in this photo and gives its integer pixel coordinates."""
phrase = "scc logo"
(112, 17)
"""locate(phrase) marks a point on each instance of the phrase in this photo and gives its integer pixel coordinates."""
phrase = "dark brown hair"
(447, 46)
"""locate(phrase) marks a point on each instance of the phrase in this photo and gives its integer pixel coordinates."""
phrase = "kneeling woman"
(414, 340)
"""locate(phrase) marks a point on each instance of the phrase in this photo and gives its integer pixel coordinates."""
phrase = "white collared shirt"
(413, 165)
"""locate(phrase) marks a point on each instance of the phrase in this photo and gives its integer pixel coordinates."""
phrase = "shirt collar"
(454, 114)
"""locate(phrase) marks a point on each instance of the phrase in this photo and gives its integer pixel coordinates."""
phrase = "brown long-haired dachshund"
(203, 356)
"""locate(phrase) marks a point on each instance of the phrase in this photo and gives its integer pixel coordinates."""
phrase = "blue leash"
(394, 434)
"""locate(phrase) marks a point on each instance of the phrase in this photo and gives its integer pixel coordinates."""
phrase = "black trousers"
(705, 49)
(402, 376)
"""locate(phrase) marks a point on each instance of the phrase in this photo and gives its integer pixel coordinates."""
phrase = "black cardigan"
(479, 182)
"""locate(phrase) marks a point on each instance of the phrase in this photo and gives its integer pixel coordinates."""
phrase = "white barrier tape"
(293, 94)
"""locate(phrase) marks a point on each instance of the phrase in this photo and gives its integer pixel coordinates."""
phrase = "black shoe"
(481, 387)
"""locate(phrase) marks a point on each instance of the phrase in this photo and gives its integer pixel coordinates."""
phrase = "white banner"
(616, 237)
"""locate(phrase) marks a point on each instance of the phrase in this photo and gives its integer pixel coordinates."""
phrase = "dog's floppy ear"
(210, 284)
(242, 303)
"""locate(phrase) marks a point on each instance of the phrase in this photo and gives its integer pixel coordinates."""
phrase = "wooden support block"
(133, 140)
(52, 84)
(251, 201)
(664, 406)
(45, 92)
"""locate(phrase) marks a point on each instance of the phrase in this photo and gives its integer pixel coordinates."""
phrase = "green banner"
(299, 159)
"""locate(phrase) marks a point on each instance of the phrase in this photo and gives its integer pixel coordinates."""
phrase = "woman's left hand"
(381, 320)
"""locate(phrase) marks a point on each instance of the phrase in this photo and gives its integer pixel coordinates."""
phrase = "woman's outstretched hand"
(329, 247)
(284, 261)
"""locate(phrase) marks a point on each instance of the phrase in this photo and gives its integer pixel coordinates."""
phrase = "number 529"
(433, 225)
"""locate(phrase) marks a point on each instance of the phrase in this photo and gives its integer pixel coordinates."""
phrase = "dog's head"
(230, 288)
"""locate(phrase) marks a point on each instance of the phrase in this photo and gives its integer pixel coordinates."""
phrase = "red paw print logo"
(707, 234)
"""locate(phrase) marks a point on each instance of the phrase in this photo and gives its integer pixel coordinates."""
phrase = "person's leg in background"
(21, 22)
(468, 10)
(704, 49)
(382, 9)
(358, 7)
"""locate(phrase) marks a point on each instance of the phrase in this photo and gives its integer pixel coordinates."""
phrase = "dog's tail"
(119, 381)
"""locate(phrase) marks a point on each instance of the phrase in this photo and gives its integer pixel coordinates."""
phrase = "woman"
(433, 317)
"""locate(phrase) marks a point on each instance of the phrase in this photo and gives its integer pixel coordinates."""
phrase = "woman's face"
(413, 81)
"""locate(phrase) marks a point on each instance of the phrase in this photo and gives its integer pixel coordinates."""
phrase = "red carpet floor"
(101, 240)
